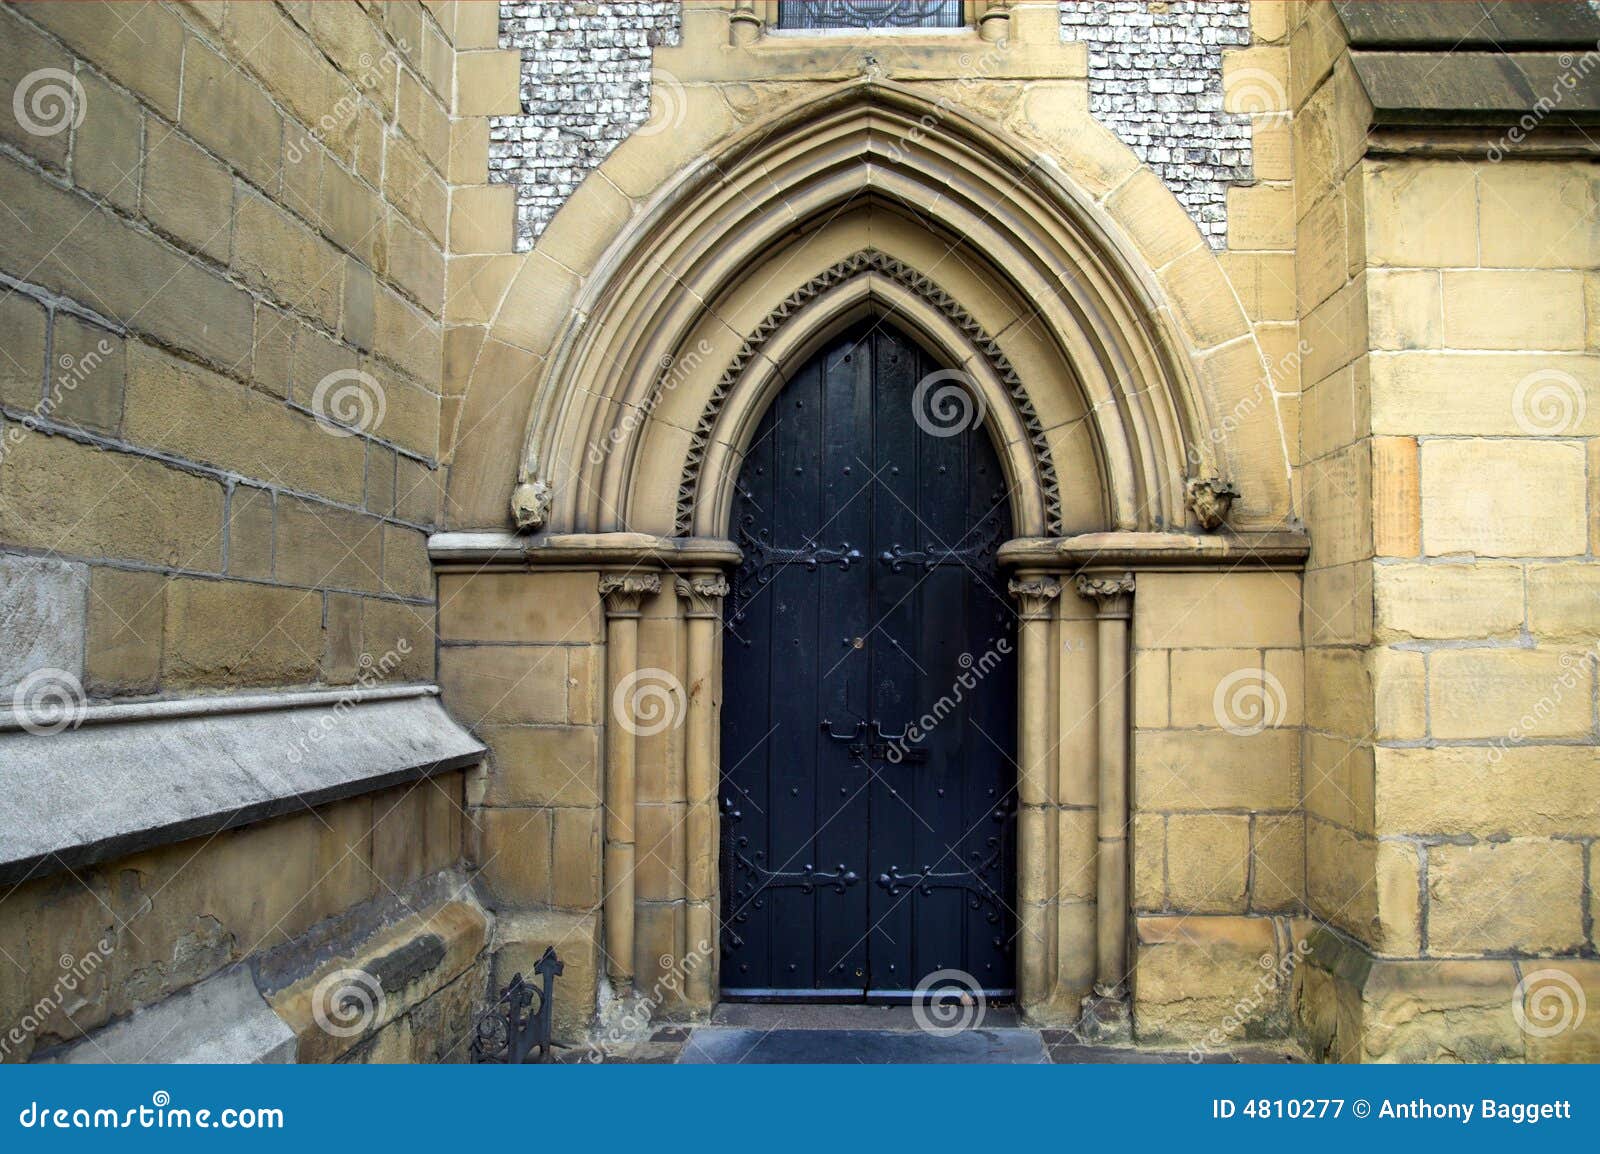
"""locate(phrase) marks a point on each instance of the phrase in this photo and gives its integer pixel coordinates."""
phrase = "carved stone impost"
(625, 592)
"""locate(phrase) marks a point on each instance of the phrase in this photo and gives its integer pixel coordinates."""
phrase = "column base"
(1107, 1019)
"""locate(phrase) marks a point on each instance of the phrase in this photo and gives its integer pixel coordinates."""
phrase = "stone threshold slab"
(727, 1046)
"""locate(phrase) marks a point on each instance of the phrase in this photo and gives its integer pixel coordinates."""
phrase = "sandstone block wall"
(1449, 475)
(1218, 864)
(522, 661)
(221, 291)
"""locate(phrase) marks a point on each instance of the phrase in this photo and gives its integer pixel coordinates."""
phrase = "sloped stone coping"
(222, 1020)
(402, 949)
(130, 777)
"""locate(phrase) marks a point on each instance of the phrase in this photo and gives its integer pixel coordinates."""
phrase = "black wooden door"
(868, 791)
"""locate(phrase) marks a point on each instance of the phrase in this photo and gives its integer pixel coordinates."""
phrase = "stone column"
(1113, 595)
(702, 596)
(623, 594)
(1036, 868)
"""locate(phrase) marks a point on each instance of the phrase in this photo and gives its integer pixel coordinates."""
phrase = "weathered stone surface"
(1493, 792)
(223, 1020)
(386, 975)
(1510, 694)
(1201, 979)
(521, 938)
(1205, 770)
(1208, 861)
(127, 611)
(42, 610)
(1503, 498)
(1424, 602)
(1523, 895)
(181, 515)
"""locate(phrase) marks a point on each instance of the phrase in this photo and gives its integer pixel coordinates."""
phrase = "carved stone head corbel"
(530, 505)
(1212, 499)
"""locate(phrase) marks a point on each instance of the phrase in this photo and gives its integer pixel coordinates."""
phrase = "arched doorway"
(868, 791)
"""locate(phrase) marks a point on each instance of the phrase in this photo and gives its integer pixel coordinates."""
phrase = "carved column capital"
(625, 592)
(703, 593)
(1112, 591)
(1034, 595)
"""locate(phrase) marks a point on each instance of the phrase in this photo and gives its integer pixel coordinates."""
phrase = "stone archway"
(652, 385)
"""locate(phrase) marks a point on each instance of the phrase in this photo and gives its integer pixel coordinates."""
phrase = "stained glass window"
(869, 14)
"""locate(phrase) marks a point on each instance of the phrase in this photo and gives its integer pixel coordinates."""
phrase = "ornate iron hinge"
(744, 893)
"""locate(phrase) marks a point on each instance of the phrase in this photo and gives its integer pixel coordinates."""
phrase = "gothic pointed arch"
(1083, 354)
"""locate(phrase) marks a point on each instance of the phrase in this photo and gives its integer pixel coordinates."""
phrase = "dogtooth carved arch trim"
(899, 271)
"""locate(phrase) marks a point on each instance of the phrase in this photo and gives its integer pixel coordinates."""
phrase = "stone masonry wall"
(221, 284)
(1155, 79)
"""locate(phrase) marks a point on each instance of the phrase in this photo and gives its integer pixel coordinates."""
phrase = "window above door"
(869, 14)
